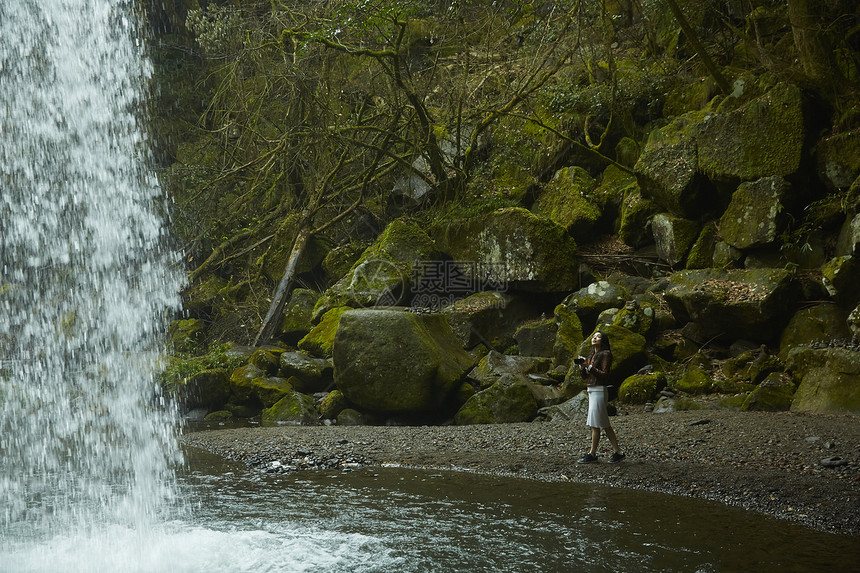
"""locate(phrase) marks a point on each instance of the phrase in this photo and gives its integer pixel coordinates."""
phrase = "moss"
(219, 416)
(333, 404)
(320, 340)
(641, 388)
(695, 381)
(773, 395)
(187, 335)
(293, 409)
(177, 369)
(701, 254)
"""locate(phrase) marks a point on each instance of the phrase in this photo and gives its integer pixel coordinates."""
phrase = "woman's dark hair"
(604, 343)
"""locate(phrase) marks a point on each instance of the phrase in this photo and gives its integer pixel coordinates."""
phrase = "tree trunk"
(279, 301)
(693, 38)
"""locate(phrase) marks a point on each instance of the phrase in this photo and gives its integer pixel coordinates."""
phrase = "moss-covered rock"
(537, 338)
(569, 335)
(307, 374)
(762, 138)
(829, 380)
(489, 318)
(332, 405)
(755, 216)
(512, 247)
(695, 381)
(636, 317)
(751, 304)
(701, 255)
(338, 262)
(266, 360)
(637, 213)
(494, 365)
(590, 301)
(840, 277)
(823, 321)
(320, 340)
(669, 167)
(208, 389)
(293, 409)
(507, 401)
(838, 159)
(848, 242)
(568, 201)
(674, 237)
(384, 273)
(641, 388)
(397, 362)
(298, 314)
(774, 394)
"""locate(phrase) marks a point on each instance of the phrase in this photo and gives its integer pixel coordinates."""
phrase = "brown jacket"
(598, 374)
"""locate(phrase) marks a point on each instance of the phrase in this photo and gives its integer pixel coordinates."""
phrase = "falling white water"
(85, 280)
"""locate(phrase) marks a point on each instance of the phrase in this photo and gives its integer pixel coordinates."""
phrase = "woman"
(595, 370)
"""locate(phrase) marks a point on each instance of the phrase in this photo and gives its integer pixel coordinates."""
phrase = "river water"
(238, 519)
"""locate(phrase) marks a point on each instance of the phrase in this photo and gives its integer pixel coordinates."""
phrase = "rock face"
(513, 248)
(749, 304)
(508, 400)
(755, 216)
(829, 380)
(384, 273)
(396, 362)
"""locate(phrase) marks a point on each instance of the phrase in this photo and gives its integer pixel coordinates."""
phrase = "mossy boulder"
(636, 317)
(840, 277)
(242, 379)
(537, 338)
(397, 362)
(252, 387)
(763, 137)
(590, 301)
(755, 216)
(292, 409)
(838, 159)
(822, 321)
(829, 380)
(637, 213)
(848, 242)
(333, 404)
(701, 255)
(694, 381)
(641, 388)
(383, 274)
(338, 262)
(669, 167)
(569, 335)
(774, 394)
(298, 314)
(514, 248)
(489, 318)
(568, 201)
(673, 237)
(208, 389)
(494, 365)
(751, 304)
(266, 360)
(308, 374)
(319, 341)
(507, 401)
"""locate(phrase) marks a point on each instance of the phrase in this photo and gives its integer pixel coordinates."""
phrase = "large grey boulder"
(829, 380)
(669, 167)
(393, 361)
(575, 409)
(755, 217)
(751, 304)
(512, 248)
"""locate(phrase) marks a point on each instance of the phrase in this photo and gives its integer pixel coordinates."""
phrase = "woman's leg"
(613, 439)
(595, 440)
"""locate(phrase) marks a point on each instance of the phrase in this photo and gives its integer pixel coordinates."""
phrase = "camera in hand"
(579, 360)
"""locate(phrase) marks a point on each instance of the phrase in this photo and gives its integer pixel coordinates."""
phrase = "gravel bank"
(766, 462)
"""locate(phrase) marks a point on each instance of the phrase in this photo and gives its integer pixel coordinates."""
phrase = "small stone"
(833, 462)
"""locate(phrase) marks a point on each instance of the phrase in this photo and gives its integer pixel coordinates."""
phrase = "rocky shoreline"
(799, 467)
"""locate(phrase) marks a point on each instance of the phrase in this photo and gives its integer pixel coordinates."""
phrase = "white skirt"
(598, 416)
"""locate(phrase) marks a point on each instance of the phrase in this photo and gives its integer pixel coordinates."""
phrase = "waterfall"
(86, 280)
